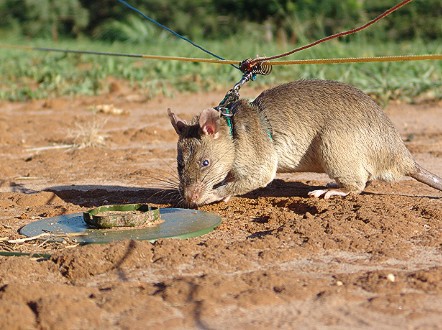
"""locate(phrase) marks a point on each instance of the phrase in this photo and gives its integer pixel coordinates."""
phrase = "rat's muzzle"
(196, 195)
(192, 194)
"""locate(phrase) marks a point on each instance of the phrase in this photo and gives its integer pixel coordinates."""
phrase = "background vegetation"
(234, 29)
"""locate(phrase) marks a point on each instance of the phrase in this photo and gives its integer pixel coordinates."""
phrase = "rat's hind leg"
(343, 162)
(345, 184)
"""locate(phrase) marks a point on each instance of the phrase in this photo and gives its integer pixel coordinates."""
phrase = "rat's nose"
(192, 194)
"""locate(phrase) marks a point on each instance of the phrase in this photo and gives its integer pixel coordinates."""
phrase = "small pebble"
(391, 277)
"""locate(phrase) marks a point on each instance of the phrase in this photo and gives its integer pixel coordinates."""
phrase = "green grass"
(33, 74)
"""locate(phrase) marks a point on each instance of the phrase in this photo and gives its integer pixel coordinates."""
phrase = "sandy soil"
(278, 260)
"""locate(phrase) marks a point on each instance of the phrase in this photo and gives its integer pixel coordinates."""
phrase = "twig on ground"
(58, 146)
(26, 239)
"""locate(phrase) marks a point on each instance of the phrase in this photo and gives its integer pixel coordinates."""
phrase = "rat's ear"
(209, 122)
(177, 122)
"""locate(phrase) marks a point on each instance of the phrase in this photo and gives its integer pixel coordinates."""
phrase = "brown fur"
(316, 126)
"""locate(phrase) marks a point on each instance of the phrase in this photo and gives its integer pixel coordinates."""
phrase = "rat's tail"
(424, 176)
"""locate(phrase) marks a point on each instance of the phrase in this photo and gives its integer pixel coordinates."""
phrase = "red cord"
(337, 35)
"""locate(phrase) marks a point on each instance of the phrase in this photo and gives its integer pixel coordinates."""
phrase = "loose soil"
(278, 260)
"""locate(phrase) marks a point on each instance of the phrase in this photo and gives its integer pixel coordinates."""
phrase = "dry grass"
(89, 134)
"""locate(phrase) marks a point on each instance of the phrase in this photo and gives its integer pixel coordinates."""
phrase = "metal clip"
(245, 78)
(225, 112)
(250, 70)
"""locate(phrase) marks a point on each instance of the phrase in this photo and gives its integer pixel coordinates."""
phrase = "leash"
(249, 73)
(333, 36)
(341, 60)
(171, 31)
(263, 66)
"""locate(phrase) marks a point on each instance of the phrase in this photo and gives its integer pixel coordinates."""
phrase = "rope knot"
(255, 66)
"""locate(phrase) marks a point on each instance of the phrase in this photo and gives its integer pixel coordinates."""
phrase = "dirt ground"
(278, 260)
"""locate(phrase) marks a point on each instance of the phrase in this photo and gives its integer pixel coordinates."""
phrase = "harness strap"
(228, 114)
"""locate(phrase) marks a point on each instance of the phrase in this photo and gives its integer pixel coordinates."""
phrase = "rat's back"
(325, 126)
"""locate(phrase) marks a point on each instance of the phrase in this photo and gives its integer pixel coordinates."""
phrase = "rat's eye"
(205, 163)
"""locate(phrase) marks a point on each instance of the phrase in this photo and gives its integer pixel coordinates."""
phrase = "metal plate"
(125, 215)
(178, 223)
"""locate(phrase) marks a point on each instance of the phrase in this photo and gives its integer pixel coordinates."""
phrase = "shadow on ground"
(95, 195)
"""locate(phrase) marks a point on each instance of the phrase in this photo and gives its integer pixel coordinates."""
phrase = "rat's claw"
(333, 192)
(327, 193)
(317, 193)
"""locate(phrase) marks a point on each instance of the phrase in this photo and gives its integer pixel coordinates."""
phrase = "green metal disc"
(177, 223)
(121, 215)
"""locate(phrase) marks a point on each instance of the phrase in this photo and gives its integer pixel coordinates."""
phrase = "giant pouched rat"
(302, 126)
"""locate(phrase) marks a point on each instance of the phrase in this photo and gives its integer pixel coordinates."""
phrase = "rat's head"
(205, 155)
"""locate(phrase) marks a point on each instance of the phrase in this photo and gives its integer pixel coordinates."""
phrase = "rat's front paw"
(213, 196)
(216, 195)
